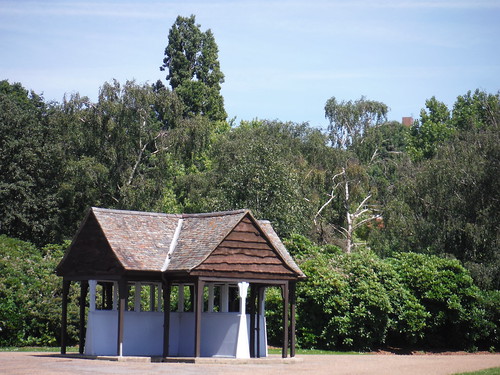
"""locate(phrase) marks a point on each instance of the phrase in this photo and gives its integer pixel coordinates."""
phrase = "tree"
(253, 168)
(347, 187)
(349, 120)
(448, 204)
(30, 166)
(431, 131)
(191, 58)
(452, 205)
(477, 111)
(118, 150)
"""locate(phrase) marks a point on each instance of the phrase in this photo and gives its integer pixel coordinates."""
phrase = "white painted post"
(243, 347)
(137, 299)
(211, 297)
(180, 299)
(224, 298)
(92, 285)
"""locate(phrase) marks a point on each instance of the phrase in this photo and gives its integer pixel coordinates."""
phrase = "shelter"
(176, 284)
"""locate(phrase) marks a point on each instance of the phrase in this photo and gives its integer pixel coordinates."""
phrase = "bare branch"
(374, 155)
(363, 202)
(332, 195)
(364, 221)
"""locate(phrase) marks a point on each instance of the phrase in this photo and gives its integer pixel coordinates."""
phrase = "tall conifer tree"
(191, 59)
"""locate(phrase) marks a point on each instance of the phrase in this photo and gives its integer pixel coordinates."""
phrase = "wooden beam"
(64, 315)
(284, 351)
(198, 306)
(260, 299)
(292, 317)
(84, 287)
(253, 329)
(167, 293)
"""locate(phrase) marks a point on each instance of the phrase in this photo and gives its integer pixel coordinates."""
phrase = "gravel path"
(49, 364)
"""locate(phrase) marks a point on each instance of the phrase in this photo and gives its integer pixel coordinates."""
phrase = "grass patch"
(45, 349)
(489, 371)
(312, 351)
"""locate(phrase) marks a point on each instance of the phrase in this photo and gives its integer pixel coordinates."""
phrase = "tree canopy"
(191, 58)
(350, 119)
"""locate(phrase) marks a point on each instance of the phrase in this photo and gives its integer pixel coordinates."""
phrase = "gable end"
(89, 253)
(245, 252)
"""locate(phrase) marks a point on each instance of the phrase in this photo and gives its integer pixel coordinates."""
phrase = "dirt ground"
(17, 363)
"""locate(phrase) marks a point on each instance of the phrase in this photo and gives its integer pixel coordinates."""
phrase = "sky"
(282, 60)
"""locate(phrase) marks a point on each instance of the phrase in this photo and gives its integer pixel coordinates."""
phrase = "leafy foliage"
(456, 316)
(350, 120)
(30, 294)
(431, 131)
(30, 163)
(191, 58)
(358, 301)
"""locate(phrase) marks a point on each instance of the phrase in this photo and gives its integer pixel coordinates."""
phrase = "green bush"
(30, 295)
(343, 304)
(359, 301)
(456, 317)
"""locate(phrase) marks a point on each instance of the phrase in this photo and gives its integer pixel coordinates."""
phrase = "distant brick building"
(407, 121)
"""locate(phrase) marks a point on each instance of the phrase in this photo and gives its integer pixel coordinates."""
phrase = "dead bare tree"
(363, 213)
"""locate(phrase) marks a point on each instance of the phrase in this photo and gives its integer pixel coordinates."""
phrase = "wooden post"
(167, 292)
(198, 306)
(253, 329)
(84, 286)
(260, 313)
(64, 315)
(284, 352)
(122, 285)
(292, 317)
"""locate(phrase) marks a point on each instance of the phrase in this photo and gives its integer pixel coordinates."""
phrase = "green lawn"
(47, 349)
(311, 351)
(489, 371)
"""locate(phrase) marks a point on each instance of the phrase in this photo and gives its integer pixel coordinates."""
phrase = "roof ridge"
(215, 214)
(129, 212)
(178, 216)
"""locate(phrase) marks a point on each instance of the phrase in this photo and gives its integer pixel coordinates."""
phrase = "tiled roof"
(140, 240)
(200, 235)
(144, 241)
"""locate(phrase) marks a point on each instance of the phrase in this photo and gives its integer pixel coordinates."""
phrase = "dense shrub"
(30, 295)
(359, 301)
(457, 315)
